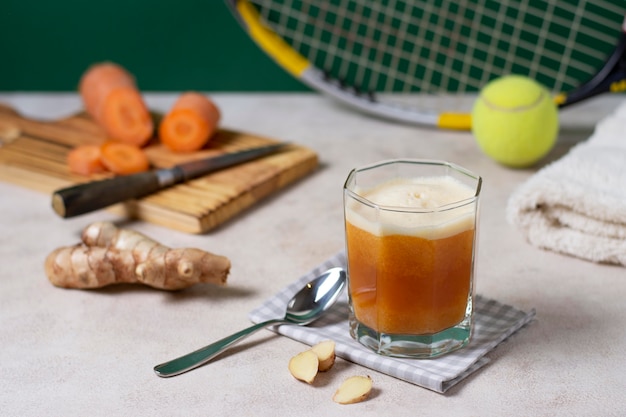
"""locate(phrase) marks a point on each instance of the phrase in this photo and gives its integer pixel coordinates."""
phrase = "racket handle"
(91, 196)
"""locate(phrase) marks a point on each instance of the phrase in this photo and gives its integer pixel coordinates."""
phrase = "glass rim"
(442, 208)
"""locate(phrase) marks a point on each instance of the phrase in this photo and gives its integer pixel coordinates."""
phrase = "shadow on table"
(203, 291)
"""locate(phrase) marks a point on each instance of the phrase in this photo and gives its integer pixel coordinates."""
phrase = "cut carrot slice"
(124, 158)
(85, 160)
(190, 124)
(111, 97)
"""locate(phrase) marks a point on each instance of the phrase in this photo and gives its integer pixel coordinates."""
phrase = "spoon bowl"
(306, 306)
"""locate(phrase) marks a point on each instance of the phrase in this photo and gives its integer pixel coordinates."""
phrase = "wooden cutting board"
(33, 152)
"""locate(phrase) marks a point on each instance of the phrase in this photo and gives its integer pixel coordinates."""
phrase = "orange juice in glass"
(410, 243)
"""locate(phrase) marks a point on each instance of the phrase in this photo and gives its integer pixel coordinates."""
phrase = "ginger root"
(109, 255)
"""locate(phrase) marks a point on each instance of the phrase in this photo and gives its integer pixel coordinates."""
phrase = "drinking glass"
(411, 232)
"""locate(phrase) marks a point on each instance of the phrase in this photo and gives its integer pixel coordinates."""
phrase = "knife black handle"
(87, 197)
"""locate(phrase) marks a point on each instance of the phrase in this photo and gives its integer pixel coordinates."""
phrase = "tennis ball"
(515, 121)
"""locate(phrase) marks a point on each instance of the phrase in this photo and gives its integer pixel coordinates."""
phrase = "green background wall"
(169, 45)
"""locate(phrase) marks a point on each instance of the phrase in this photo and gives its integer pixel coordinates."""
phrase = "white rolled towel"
(577, 204)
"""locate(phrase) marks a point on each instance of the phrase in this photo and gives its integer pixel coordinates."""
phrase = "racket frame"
(610, 78)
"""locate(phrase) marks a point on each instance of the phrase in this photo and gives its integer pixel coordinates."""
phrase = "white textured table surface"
(77, 353)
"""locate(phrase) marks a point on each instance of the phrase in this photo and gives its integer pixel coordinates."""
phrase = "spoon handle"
(203, 355)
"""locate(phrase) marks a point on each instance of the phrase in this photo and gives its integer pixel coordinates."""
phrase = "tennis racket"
(391, 57)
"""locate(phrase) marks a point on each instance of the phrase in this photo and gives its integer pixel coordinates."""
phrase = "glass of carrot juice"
(410, 242)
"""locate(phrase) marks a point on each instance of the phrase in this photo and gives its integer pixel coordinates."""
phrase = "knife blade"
(85, 198)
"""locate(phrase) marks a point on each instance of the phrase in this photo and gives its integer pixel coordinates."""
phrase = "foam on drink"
(399, 199)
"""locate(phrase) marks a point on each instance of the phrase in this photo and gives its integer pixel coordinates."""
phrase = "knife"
(91, 196)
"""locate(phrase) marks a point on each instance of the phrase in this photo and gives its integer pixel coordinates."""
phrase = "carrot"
(190, 123)
(85, 160)
(123, 158)
(111, 97)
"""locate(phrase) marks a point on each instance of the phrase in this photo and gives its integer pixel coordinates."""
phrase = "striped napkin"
(493, 321)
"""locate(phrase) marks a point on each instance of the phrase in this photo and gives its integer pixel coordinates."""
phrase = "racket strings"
(452, 46)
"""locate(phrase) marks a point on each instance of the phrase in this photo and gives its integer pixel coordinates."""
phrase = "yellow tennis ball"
(515, 121)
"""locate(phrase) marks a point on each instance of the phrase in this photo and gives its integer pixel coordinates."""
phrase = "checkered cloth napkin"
(493, 321)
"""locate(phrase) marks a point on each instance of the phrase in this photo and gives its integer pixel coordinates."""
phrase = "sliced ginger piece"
(353, 390)
(304, 366)
(325, 352)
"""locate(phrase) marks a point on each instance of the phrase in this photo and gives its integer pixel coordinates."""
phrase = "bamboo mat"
(33, 153)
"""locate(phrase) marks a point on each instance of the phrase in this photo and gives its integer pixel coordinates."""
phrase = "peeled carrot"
(111, 97)
(190, 123)
(123, 158)
(85, 160)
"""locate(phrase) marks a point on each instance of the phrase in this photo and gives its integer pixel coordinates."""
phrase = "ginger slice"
(304, 366)
(353, 390)
(325, 352)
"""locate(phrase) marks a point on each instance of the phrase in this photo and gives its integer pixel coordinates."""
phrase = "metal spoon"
(306, 306)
